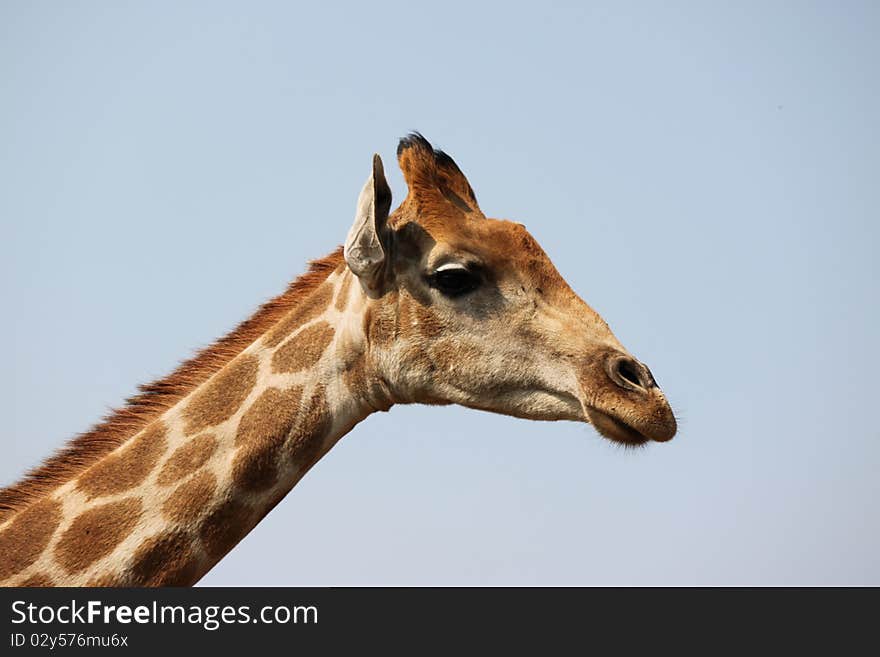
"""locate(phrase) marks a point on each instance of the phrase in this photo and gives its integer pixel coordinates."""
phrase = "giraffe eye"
(454, 281)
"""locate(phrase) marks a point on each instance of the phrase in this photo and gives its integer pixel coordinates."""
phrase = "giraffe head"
(466, 309)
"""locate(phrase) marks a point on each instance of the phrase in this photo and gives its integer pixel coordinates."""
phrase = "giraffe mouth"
(616, 429)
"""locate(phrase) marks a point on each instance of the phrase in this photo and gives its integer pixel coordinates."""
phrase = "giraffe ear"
(366, 245)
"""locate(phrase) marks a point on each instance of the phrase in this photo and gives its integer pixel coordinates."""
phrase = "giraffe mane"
(153, 399)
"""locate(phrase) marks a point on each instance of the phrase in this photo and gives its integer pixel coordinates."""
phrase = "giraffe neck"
(170, 502)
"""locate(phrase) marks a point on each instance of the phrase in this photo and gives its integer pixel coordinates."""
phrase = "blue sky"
(704, 175)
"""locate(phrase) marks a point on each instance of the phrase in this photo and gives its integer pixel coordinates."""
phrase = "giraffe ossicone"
(432, 303)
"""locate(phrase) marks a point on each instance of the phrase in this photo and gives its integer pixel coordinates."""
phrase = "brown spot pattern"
(342, 295)
(380, 320)
(429, 324)
(96, 533)
(261, 434)
(222, 396)
(308, 440)
(22, 542)
(189, 501)
(451, 355)
(165, 560)
(418, 361)
(157, 397)
(39, 580)
(405, 319)
(311, 307)
(128, 467)
(355, 376)
(225, 527)
(304, 349)
(256, 469)
(188, 458)
(107, 581)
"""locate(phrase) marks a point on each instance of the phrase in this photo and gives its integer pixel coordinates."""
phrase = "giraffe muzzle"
(629, 406)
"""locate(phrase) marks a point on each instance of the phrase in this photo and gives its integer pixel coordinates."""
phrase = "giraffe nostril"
(629, 373)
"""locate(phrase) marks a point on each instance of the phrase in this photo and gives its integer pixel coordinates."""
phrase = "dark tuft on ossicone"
(442, 160)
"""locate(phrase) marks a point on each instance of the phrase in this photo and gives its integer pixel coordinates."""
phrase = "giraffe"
(433, 303)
